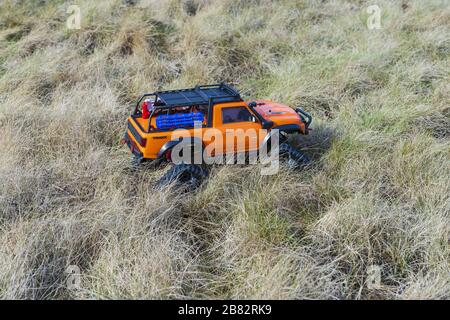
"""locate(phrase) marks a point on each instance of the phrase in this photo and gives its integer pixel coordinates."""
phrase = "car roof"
(199, 95)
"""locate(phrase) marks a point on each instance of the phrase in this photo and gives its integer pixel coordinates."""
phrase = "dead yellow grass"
(377, 194)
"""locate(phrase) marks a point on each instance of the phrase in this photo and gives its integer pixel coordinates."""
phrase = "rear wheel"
(135, 162)
(138, 163)
(189, 176)
(194, 157)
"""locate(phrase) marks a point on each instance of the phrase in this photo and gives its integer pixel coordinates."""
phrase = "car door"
(240, 128)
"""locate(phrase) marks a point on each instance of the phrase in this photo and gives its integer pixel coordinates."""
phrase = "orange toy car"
(205, 117)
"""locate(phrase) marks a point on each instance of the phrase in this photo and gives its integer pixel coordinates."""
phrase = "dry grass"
(378, 193)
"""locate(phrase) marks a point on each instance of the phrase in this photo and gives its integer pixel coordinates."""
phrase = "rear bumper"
(133, 147)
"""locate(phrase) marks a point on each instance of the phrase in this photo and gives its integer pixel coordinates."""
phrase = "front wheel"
(294, 158)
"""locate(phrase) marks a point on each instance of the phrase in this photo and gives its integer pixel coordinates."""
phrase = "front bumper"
(306, 118)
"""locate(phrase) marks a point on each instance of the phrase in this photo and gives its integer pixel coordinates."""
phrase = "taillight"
(142, 142)
(169, 155)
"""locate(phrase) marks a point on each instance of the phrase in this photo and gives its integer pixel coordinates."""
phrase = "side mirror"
(267, 124)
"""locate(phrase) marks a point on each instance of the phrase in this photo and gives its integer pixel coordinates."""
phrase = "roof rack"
(199, 95)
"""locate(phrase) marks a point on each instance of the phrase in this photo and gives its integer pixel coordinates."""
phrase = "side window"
(236, 114)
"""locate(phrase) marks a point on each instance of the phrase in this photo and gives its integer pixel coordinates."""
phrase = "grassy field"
(376, 197)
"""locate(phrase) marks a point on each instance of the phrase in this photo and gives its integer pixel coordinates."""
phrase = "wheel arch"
(287, 128)
(172, 143)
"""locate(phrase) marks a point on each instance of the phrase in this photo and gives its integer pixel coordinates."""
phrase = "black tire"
(190, 176)
(135, 162)
(294, 158)
(139, 163)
